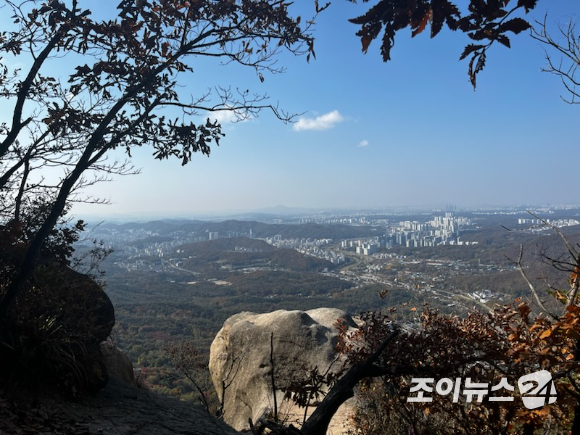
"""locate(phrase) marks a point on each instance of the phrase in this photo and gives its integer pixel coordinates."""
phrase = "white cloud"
(363, 143)
(322, 122)
(228, 116)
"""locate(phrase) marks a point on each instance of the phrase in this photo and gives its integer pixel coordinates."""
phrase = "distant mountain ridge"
(259, 229)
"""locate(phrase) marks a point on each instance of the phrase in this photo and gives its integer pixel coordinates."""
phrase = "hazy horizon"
(282, 211)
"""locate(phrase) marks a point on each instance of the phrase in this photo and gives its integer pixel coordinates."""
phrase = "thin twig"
(518, 263)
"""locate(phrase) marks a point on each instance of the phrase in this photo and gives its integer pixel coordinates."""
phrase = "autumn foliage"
(507, 343)
(485, 23)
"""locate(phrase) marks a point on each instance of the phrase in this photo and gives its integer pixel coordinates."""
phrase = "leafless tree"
(562, 55)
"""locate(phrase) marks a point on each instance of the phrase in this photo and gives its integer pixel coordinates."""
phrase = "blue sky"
(411, 132)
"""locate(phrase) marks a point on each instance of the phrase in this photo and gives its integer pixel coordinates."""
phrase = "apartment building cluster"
(363, 246)
(441, 230)
(559, 223)
(312, 247)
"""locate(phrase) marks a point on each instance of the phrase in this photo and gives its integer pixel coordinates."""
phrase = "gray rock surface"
(119, 409)
(240, 355)
(118, 364)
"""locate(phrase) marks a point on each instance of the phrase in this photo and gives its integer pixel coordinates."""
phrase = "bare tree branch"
(319, 420)
(569, 48)
(537, 299)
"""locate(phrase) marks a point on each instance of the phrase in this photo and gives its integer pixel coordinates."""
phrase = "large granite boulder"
(59, 321)
(241, 354)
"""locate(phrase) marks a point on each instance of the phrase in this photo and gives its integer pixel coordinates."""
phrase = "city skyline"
(333, 215)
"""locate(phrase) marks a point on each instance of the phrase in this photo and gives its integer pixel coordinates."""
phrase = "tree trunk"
(317, 423)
